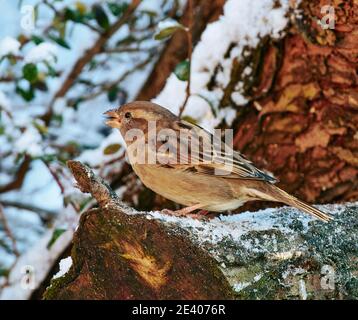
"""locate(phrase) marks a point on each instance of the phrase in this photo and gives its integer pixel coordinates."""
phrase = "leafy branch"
(183, 69)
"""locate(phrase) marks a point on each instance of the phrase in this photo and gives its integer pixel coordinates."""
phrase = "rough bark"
(119, 253)
(305, 127)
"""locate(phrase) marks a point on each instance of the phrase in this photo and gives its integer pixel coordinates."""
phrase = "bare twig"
(88, 55)
(104, 164)
(106, 86)
(124, 49)
(7, 112)
(19, 178)
(45, 215)
(60, 185)
(189, 33)
(52, 7)
(8, 232)
(8, 79)
(88, 182)
(59, 14)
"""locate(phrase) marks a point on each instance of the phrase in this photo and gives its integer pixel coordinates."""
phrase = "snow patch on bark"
(65, 265)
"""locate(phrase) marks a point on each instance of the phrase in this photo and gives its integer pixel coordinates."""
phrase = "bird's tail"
(274, 193)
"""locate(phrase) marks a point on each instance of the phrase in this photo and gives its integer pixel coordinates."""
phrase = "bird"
(191, 166)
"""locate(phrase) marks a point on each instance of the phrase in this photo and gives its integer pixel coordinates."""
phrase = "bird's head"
(137, 114)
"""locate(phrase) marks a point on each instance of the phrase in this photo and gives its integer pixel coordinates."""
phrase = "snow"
(244, 23)
(30, 142)
(39, 259)
(242, 285)
(44, 52)
(302, 289)
(4, 101)
(232, 226)
(228, 114)
(9, 45)
(65, 265)
(238, 98)
(97, 156)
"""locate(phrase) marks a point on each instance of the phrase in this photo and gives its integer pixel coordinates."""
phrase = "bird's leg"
(183, 212)
(203, 212)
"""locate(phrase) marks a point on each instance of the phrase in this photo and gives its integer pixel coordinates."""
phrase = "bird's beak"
(113, 119)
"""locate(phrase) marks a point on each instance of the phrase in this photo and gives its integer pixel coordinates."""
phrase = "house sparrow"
(217, 180)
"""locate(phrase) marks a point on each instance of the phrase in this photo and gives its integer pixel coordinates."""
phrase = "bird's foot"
(187, 212)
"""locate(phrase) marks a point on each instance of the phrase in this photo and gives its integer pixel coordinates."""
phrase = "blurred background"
(267, 69)
(48, 116)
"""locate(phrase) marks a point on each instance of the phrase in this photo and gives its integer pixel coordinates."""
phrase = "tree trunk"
(304, 126)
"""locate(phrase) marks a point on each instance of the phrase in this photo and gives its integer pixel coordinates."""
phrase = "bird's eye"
(128, 115)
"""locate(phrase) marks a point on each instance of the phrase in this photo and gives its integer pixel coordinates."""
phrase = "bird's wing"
(207, 154)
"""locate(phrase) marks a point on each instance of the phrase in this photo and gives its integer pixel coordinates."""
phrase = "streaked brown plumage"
(198, 184)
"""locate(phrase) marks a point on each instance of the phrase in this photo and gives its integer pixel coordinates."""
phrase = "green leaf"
(59, 24)
(30, 72)
(73, 15)
(112, 94)
(40, 127)
(100, 16)
(151, 14)
(51, 71)
(41, 85)
(111, 149)
(74, 103)
(57, 118)
(190, 120)
(81, 7)
(127, 40)
(60, 41)
(167, 31)
(116, 8)
(182, 70)
(37, 40)
(48, 158)
(4, 272)
(56, 234)
(27, 95)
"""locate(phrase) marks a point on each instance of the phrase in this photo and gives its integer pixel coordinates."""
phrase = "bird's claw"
(181, 214)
